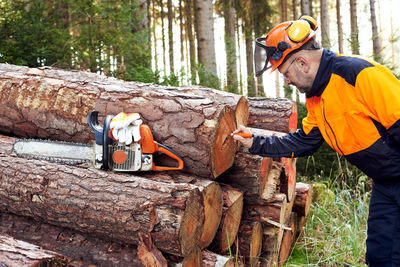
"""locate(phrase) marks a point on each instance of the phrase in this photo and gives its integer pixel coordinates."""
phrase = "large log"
(15, 252)
(287, 240)
(276, 114)
(54, 104)
(211, 196)
(119, 206)
(82, 249)
(288, 180)
(254, 175)
(239, 103)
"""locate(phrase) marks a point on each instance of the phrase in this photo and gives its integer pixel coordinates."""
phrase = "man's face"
(293, 74)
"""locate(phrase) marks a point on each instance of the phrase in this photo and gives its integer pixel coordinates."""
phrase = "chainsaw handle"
(170, 153)
(94, 124)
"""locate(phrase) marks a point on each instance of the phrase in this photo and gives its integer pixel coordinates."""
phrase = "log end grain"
(224, 147)
(213, 204)
(242, 112)
(192, 223)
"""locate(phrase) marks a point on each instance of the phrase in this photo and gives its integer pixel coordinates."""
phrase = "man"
(353, 104)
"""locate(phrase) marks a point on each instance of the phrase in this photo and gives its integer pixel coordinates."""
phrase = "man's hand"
(125, 128)
(247, 142)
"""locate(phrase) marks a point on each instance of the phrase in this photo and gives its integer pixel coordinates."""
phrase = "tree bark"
(190, 36)
(171, 36)
(257, 177)
(15, 252)
(355, 44)
(271, 213)
(230, 47)
(54, 104)
(149, 254)
(205, 34)
(117, 206)
(303, 199)
(210, 259)
(339, 26)
(273, 114)
(325, 24)
(82, 249)
(231, 217)
(375, 34)
(238, 103)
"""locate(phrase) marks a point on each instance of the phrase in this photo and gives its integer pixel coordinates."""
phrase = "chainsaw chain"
(54, 159)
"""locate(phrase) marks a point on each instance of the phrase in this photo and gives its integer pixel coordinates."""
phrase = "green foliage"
(335, 231)
(208, 78)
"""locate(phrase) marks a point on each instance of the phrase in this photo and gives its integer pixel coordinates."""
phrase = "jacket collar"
(323, 75)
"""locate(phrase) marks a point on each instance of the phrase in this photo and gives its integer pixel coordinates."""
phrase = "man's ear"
(304, 64)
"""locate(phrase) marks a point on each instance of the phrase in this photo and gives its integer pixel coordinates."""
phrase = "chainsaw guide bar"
(54, 151)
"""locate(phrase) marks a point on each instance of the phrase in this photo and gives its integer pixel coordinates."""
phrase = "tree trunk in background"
(284, 8)
(190, 36)
(171, 37)
(326, 43)
(249, 39)
(392, 35)
(230, 47)
(164, 56)
(294, 9)
(339, 26)
(154, 34)
(355, 45)
(375, 34)
(205, 34)
(306, 7)
(181, 34)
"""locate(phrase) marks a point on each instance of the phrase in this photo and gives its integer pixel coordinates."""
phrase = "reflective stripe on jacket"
(354, 105)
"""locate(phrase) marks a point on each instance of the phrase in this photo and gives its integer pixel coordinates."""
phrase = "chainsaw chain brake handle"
(101, 134)
(170, 153)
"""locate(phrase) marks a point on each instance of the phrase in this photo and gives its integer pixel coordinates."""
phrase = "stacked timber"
(225, 208)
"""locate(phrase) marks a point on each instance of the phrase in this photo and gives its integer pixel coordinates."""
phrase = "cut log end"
(213, 203)
(242, 112)
(192, 223)
(232, 214)
(224, 147)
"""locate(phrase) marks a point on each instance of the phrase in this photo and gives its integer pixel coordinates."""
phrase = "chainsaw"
(105, 153)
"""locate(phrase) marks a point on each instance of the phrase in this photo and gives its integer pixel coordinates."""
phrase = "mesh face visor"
(262, 54)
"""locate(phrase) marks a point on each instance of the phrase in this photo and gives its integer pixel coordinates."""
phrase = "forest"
(211, 43)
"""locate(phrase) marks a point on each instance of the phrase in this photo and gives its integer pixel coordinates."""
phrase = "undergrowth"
(336, 228)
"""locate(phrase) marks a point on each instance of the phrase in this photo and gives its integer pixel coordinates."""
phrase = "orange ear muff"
(299, 30)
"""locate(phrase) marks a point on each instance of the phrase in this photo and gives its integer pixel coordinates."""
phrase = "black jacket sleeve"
(394, 132)
(291, 145)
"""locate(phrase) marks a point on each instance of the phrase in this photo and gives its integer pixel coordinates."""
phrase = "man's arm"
(291, 145)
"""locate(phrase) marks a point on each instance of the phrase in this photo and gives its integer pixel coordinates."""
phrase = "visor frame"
(269, 51)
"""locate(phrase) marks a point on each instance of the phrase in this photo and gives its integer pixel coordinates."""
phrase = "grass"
(335, 231)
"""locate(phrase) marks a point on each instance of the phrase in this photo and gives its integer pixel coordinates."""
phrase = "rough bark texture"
(272, 212)
(205, 34)
(54, 104)
(210, 259)
(302, 203)
(238, 103)
(251, 174)
(15, 252)
(82, 249)
(250, 241)
(231, 217)
(276, 114)
(118, 206)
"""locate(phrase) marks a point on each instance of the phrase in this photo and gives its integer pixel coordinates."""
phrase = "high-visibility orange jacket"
(353, 105)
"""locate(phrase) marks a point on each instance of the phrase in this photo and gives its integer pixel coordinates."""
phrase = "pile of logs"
(226, 208)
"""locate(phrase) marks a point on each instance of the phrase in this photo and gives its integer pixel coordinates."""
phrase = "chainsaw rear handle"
(170, 153)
